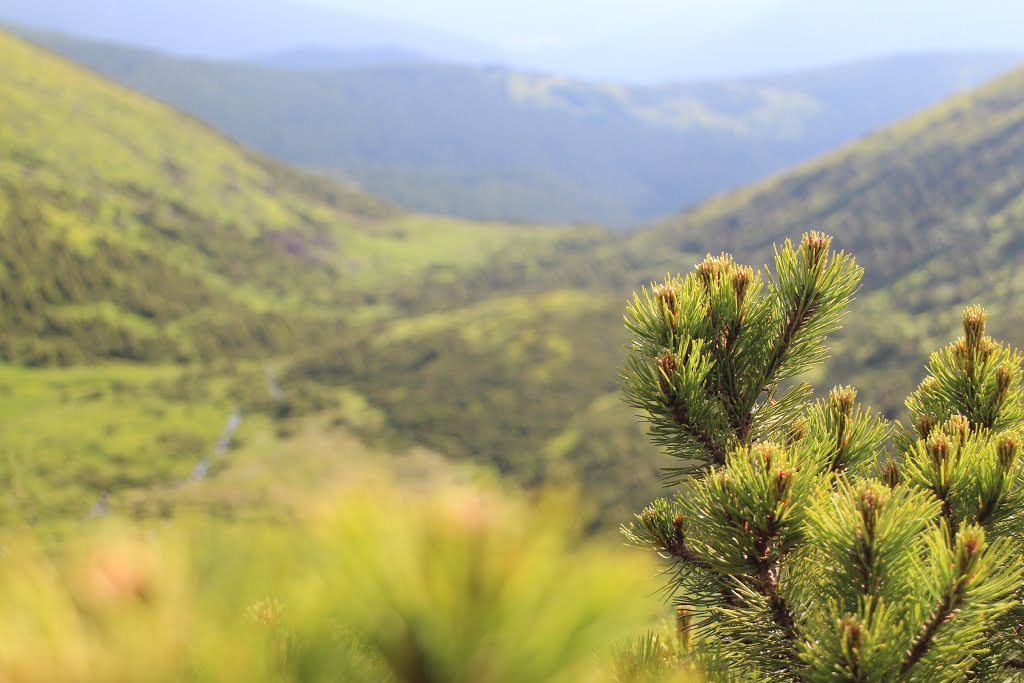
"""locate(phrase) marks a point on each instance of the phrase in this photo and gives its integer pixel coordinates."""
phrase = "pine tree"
(814, 540)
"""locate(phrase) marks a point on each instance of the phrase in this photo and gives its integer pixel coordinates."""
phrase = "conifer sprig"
(709, 351)
(801, 546)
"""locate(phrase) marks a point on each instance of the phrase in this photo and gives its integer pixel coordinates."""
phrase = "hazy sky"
(635, 41)
(520, 24)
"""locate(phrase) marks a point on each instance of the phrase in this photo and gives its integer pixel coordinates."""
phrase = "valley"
(416, 343)
(494, 143)
(391, 332)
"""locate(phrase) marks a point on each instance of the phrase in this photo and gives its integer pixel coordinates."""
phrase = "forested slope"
(133, 231)
(178, 277)
(232, 282)
(932, 207)
(497, 143)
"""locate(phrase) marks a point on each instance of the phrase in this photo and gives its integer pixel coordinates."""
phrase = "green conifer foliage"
(816, 541)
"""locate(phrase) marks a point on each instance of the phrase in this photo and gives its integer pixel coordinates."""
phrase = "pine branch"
(979, 584)
(943, 611)
(768, 579)
(682, 417)
(803, 567)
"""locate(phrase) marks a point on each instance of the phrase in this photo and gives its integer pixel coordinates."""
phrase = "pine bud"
(959, 427)
(783, 483)
(938, 447)
(667, 363)
(668, 294)
(815, 248)
(684, 616)
(974, 542)
(970, 543)
(928, 385)
(851, 632)
(890, 474)
(713, 268)
(797, 430)
(841, 400)
(766, 451)
(669, 536)
(650, 521)
(1004, 378)
(962, 352)
(723, 475)
(986, 347)
(974, 325)
(677, 538)
(1007, 450)
(741, 279)
(267, 612)
(871, 498)
(924, 425)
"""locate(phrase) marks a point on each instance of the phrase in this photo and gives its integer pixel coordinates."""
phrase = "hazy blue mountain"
(333, 58)
(495, 143)
(234, 28)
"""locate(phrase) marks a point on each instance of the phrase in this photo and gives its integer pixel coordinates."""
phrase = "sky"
(552, 24)
(660, 40)
(628, 41)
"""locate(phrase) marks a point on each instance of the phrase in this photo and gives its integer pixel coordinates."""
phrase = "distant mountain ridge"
(489, 143)
(932, 207)
(162, 276)
(335, 58)
(133, 232)
(236, 29)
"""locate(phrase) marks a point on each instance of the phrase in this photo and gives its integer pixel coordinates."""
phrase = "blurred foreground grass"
(375, 582)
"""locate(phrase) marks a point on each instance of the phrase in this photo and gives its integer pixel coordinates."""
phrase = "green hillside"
(172, 273)
(932, 207)
(492, 143)
(110, 202)
(181, 279)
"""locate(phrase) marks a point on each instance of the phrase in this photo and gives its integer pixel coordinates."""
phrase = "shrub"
(815, 541)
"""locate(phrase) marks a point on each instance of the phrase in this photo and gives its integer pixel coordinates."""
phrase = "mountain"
(489, 143)
(932, 207)
(328, 58)
(161, 284)
(111, 201)
(158, 282)
(235, 28)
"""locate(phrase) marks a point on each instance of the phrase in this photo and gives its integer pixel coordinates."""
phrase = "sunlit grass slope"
(152, 273)
(131, 230)
(933, 208)
(526, 383)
